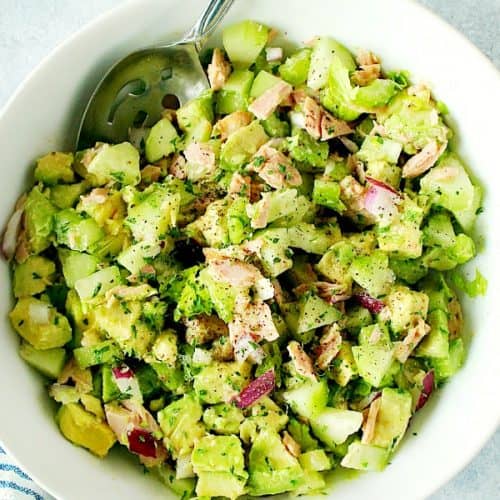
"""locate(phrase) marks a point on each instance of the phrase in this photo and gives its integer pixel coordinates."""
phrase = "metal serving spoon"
(138, 88)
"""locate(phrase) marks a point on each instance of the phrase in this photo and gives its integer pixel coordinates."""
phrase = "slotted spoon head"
(135, 91)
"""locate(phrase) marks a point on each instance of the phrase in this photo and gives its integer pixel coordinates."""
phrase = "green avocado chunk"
(40, 324)
(271, 467)
(84, 429)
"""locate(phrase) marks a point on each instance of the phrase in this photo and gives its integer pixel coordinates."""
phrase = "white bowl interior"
(44, 115)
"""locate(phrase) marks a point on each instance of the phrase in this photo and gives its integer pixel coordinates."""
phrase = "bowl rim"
(114, 11)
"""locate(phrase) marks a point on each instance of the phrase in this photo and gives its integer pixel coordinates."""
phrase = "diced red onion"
(127, 382)
(274, 54)
(257, 389)
(368, 302)
(122, 371)
(381, 201)
(142, 442)
(427, 388)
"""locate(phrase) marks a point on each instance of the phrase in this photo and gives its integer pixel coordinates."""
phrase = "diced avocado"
(315, 460)
(333, 426)
(450, 187)
(153, 313)
(40, 324)
(403, 238)
(295, 69)
(302, 434)
(285, 207)
(223, 418)
(380, 156)
(235, 93)
(356, 318)
(274, 127)
(314, 312)
(376, 94)
(76, 265)
(162, 140)
(335, 264)
(344, 367)
(98, 283)
(303, 148)
(219, 382)
(271, 467)
(274, 253)
(242, 145)
(314, 483)
(93, 405)
(49, 362)
(122, 322)
(312, 238)
(212, 225)
(195, 118)
(309, 399)
(263, 81)
(409, 270)
(183, 488)
(171, 377)
(448, 366)
(372, 272)
(327, 193)
(376, 148)
(164, 348)
(67, 195)
(373, 362)
(149, 384)
(378, 331)
(76, 231)
(244, 41)
(84, 429)
(110, 391)
(39, 220)
(110, 246)
(194, 299)
(97, 354)
(119, 163)
(404, 306)
(264, 415)
(55, 168)
(135, 257)
(325, 51)
(445, 259)
(439, 232)
(437, 290)
(64, 394)
(32, 276)
(392, 418)
(365, 457)
(338, 96)
(222, 295)
(238, 222)
(152, 212)
(413, 120)
(219, 463)
(181, 426)
(435, 343)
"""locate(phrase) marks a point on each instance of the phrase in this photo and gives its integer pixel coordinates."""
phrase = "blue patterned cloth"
(15, 484)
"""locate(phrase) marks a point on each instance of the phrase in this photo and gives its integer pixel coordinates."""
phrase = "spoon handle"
(208, 21)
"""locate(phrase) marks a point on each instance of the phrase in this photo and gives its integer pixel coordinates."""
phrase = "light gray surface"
(29, 29)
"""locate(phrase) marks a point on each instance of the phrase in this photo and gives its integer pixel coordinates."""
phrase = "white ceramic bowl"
(43, 115)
